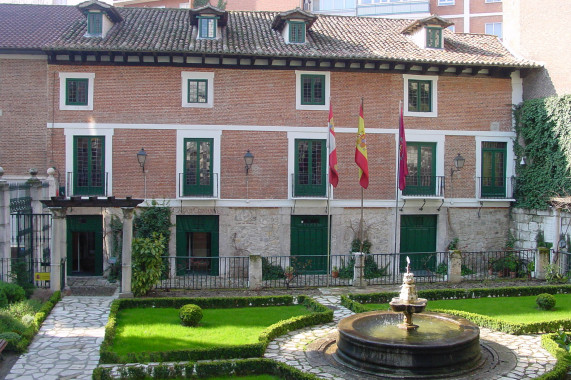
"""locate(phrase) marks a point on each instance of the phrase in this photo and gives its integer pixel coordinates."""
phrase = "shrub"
(12, 339)
(14, 293)
(11, 324)
(147, 263)
(20, 309)
(3, 300)
(545, 301)
(271, 271)
(190, 314)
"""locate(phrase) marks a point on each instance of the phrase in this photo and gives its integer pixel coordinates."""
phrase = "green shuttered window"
(89, 165)
(76, 92)
(198, 167)
(419, 95)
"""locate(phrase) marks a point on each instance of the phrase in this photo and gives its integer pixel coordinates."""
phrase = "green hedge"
(320, 315)
(563, 358)
(242, 367)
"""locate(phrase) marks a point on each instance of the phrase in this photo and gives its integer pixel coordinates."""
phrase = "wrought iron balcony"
(424, 186)
(495, 187)
(84, 185)
(208, 188)
(304, 187)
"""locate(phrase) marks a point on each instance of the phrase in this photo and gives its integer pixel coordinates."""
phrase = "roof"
(170, 31)
(27, 26)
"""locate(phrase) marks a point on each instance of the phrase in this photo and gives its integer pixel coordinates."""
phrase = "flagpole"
(362, 196)
(397, 191)
(329, 184)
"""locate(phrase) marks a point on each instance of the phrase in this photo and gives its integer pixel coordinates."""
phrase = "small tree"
(200, 3)
(147, 263)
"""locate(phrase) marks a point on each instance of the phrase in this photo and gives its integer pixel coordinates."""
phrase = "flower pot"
(512, 274)
(490, 271)
(334, 274)
(289, 276)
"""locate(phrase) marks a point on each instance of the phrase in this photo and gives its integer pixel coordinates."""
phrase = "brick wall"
(478, 24)
(24, 104)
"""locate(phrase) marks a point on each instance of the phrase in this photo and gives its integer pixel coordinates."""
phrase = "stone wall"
(479, 229)
(527, 223)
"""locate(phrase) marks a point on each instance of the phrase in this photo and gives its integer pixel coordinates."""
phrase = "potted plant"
(453, 245)
(511, 265)
(335, 272)
(530, 269)
(288, 272)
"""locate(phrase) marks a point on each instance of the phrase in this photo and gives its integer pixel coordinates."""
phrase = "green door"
(493, 169)
(418, 237)
(309, 238)
(85, 245)
(197, 244)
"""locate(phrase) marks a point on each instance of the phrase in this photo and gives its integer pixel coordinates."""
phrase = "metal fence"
(187, 272)
(498, 264)
(30, 236)
(23, 271)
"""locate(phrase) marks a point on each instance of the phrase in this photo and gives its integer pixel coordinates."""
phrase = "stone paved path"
(532, 360)
(67, 345)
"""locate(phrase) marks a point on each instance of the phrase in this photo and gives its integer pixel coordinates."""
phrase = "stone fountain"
(379, 342)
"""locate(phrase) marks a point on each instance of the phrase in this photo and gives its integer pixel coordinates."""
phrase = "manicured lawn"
(159, 329)
(511, 309)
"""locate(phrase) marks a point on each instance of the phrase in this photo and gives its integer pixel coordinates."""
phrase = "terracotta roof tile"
(169, 30)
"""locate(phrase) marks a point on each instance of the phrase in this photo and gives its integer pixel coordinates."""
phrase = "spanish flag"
(333, 173)
(361, 152)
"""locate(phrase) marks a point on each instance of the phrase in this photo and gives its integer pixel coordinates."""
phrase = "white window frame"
(494, 26)
(63, 77)
(215, 135)
(312, 107)
(209, 77)
(446, 2)
(71, 133)
(420, 136)
(434, 92)
(292, 137)
(510, 163)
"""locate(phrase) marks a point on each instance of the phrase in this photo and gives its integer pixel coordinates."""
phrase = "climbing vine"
(154, 219)
(543, 137)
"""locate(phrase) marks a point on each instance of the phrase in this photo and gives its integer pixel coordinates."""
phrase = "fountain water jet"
(439, 345)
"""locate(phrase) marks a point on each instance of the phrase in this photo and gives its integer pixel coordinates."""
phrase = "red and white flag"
(403, 169)
(333, 173)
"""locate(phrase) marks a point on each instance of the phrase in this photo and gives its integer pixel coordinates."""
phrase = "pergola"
(59, 207)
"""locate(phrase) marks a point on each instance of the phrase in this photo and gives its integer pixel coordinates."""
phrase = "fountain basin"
(372, 342)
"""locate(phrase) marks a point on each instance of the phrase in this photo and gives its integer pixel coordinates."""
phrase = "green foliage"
(562, 356)
(320, 315)
(271, 271)
(200, 3)
(3, 300)
(372, 270)
(21, 275)
(356, 246)
(544, 127)
(545, 301)
(552, 275)
(510, 241)
(14, 292)
(563, 340)
(116, 247)
(346, 270)
(221, 4)
(453, 245)
(154, 219)
(190, 315)
(12, 339)
(147, 263)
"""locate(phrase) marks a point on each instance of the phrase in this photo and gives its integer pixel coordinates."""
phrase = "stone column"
(59, 246)
(52, 183)
(358, 270)
(126, 268)
(5, 226)
(455, 266)
(35, 191)
(255, 272)
(541, 262)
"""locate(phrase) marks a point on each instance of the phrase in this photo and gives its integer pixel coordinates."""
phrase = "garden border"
(320, 315)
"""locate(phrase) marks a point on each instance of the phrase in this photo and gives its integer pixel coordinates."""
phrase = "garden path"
(67, 345)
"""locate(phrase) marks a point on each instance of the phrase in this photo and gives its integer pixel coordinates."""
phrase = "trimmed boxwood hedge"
(563, 358)
(320, 315)
(240, 367)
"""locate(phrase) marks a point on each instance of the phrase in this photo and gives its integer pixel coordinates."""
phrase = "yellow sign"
(42, 276)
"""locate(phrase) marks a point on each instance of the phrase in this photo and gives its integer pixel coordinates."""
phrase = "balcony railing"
(72, 189)
(391, 7)
(303, 190)
(495, 187)
(424, 186)
(204, 191)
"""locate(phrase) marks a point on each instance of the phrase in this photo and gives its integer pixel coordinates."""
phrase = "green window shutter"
(434, 38)
(89, 165)
(310, 178)
(312, 89)
(94, 23)
(197, 177)
(197, 91)
(76, 92)
(493, 179)
(421, 163)
(419, 95)
(296, 32)
(207, 27)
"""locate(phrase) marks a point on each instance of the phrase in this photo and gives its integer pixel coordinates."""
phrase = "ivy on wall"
(543, 137)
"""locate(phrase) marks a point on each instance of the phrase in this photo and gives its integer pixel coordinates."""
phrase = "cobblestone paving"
(67, 345)
(532, 360)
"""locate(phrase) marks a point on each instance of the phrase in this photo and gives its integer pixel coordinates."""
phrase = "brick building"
(199, 88)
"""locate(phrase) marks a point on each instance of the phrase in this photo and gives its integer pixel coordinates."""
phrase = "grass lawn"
(510, 309)
(159, 329)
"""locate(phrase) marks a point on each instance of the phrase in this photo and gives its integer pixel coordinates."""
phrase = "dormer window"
(294, 25)
(94, 23)
(296, 32)
(207, 27)
(433, 37)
